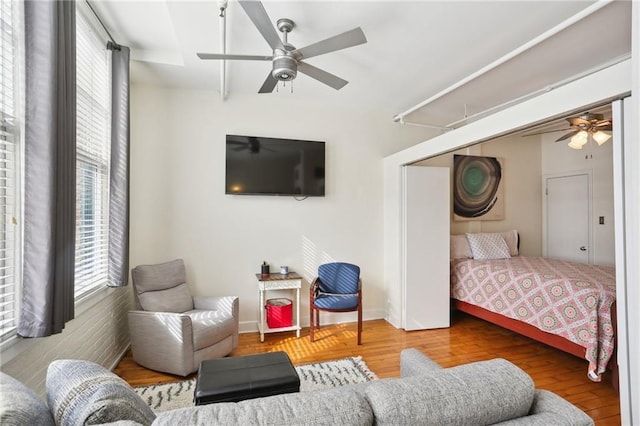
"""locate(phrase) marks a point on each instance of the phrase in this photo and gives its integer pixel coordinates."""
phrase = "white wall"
(522, 189)
(558, 158)
(179, 209)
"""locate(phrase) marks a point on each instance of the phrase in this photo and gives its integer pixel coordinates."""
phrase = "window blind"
(8, 170)
(93, 144)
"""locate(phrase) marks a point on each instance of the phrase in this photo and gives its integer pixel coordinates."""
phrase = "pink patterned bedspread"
(572, 300)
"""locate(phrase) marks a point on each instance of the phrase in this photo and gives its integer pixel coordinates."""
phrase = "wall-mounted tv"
(258, 165)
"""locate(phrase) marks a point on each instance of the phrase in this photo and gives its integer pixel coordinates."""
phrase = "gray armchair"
(171, 331)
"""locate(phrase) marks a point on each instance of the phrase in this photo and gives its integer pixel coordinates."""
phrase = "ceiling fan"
(584, 128)
(251, 144)
(286, 59)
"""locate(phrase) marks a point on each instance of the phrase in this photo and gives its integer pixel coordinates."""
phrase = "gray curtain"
(50, 168)
(119, 181)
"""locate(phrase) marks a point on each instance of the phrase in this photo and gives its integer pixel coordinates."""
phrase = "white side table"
(290, 281)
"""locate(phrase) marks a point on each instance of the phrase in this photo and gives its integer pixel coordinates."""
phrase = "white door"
(568, 215)
(426, 206)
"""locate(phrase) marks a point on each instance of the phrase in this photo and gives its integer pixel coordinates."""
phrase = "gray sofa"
(481, 393)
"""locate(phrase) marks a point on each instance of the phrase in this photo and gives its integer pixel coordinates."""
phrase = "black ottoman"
(244, 377)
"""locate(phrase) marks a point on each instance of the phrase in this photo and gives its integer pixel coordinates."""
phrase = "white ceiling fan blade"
(322, 76)
(331, 44)
(269, 84)
(241, 57)
(258, 15)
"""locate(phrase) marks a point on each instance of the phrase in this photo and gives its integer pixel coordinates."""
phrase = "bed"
(564, 304)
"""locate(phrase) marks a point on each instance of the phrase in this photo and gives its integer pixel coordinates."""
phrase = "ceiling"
(415, 49)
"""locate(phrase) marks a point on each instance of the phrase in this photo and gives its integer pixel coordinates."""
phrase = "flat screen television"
(257, 165)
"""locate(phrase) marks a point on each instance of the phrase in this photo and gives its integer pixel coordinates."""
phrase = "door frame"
(545, 218)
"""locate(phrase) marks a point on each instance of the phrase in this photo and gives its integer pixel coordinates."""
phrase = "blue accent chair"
(338, 288)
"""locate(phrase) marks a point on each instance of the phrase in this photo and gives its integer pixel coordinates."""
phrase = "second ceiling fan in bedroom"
(582, 129)
(586, 127)
(286, 59)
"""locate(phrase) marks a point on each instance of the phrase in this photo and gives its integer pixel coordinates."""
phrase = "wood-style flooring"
(468, 339)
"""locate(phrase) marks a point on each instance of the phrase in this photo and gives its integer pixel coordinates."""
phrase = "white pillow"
(511, 238)
(488, 246)
(459, 247)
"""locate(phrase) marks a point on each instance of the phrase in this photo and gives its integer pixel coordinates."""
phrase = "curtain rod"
(111, 45)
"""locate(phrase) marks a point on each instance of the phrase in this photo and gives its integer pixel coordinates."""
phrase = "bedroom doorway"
(568, 216)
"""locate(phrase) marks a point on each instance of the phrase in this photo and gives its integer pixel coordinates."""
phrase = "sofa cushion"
(328, 407)
(210, 327)
(547, 405)
(415, 363)
(19, 405)
(82, 392)
(485, 392)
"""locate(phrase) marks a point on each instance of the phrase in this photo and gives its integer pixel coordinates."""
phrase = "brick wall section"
(99, 333)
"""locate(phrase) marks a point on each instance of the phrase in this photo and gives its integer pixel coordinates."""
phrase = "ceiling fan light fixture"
(601, 137)
(285, 68)
(579, 140)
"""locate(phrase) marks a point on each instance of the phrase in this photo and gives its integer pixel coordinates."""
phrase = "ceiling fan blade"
(603, 123)
(258, 15)
(331, 44)
(269, 84)
(546, 131)
(241, 57)
(322, 76)
(606, 127)
(568, 135)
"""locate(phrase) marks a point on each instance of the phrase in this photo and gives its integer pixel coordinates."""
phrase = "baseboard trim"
(120, 356)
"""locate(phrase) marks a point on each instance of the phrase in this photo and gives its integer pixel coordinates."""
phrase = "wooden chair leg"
(311, 324)
(359, 324)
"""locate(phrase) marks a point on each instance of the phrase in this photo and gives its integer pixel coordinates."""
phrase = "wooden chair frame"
(314, 311)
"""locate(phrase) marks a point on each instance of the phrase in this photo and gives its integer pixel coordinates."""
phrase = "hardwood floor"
(467, 340)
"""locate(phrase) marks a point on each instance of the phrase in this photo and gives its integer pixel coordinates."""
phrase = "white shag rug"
(320, 375)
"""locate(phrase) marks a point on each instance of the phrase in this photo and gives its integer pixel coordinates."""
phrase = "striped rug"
(316, 376)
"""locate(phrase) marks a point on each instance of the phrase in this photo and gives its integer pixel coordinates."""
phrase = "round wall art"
(477, 188)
